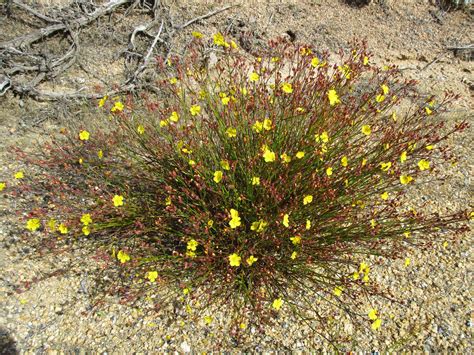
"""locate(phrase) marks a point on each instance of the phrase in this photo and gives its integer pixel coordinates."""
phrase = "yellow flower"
(250, 260)
(267, 124)
(300, 109)
(123, 256)
(164, 123)
(234, 260)
(81, 161)
(19, 175)
(285, 158)
(84, 135)
(324, 137)
(385, 89)
(2, 186)
(197, 34)
(407, 262)
(333, 98)
(277, 303)
(344, 161)
(355, 275)
(274, 59)
(174, 117)
(296, 240)
(255, 180)
(384, 196)
(86, 230)
(305, 51)
(405, 179)
(364, 162)
(445, 244)
(208, 320)
(33, 224)
(225, 100)
(118, 107)
(235, 219)
(424, 164)
(403, 156)
(364, 268)
(102, 101)
(231, 132)
(307, 199)
(380, 98)
(259, 226)
(385, 166)
(394, 117)
(225, 165)
(219, 40)
(376, 324)
(191, 162)
(258, 127)
(338, 291)
(191, 254)
(52, 224)
(308, 224)
(428, 111)
(217, 176)
(233, 44)
(253, 77)
(300, 155)
(100, 154)
(168, 201)
(366, 130)
(287, 88)
(195, 110)
(268, 155)
(62, 229)
(117, 200)
(173, 81)
(329, 171)
(286, 220)
(86, 219)
(429, 147)
(366, 60)
(315, 62)
(373, 223)
(192, 245)
(152, 275)
(345, 70)
(294, 255)
(373, 314)
(407, 234)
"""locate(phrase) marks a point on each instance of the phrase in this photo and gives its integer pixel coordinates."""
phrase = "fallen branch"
(142, 67)
(34, 12)
(203, 17)
(31, 38)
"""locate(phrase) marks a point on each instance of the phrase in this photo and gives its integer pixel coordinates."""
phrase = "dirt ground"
(415, 35)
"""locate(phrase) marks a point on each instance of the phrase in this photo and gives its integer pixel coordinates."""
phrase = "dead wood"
(25, 65)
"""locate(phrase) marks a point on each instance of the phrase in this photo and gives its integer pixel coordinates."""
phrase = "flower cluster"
(263, 182)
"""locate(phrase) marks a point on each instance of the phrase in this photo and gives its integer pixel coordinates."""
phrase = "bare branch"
(203, 17)
(34, 12)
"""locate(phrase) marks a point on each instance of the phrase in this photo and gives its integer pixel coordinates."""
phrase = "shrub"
(261, 183)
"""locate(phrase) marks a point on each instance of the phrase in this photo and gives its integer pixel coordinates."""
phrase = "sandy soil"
(55, 314)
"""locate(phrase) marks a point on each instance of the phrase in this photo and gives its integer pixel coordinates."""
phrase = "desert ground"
(44, 306)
